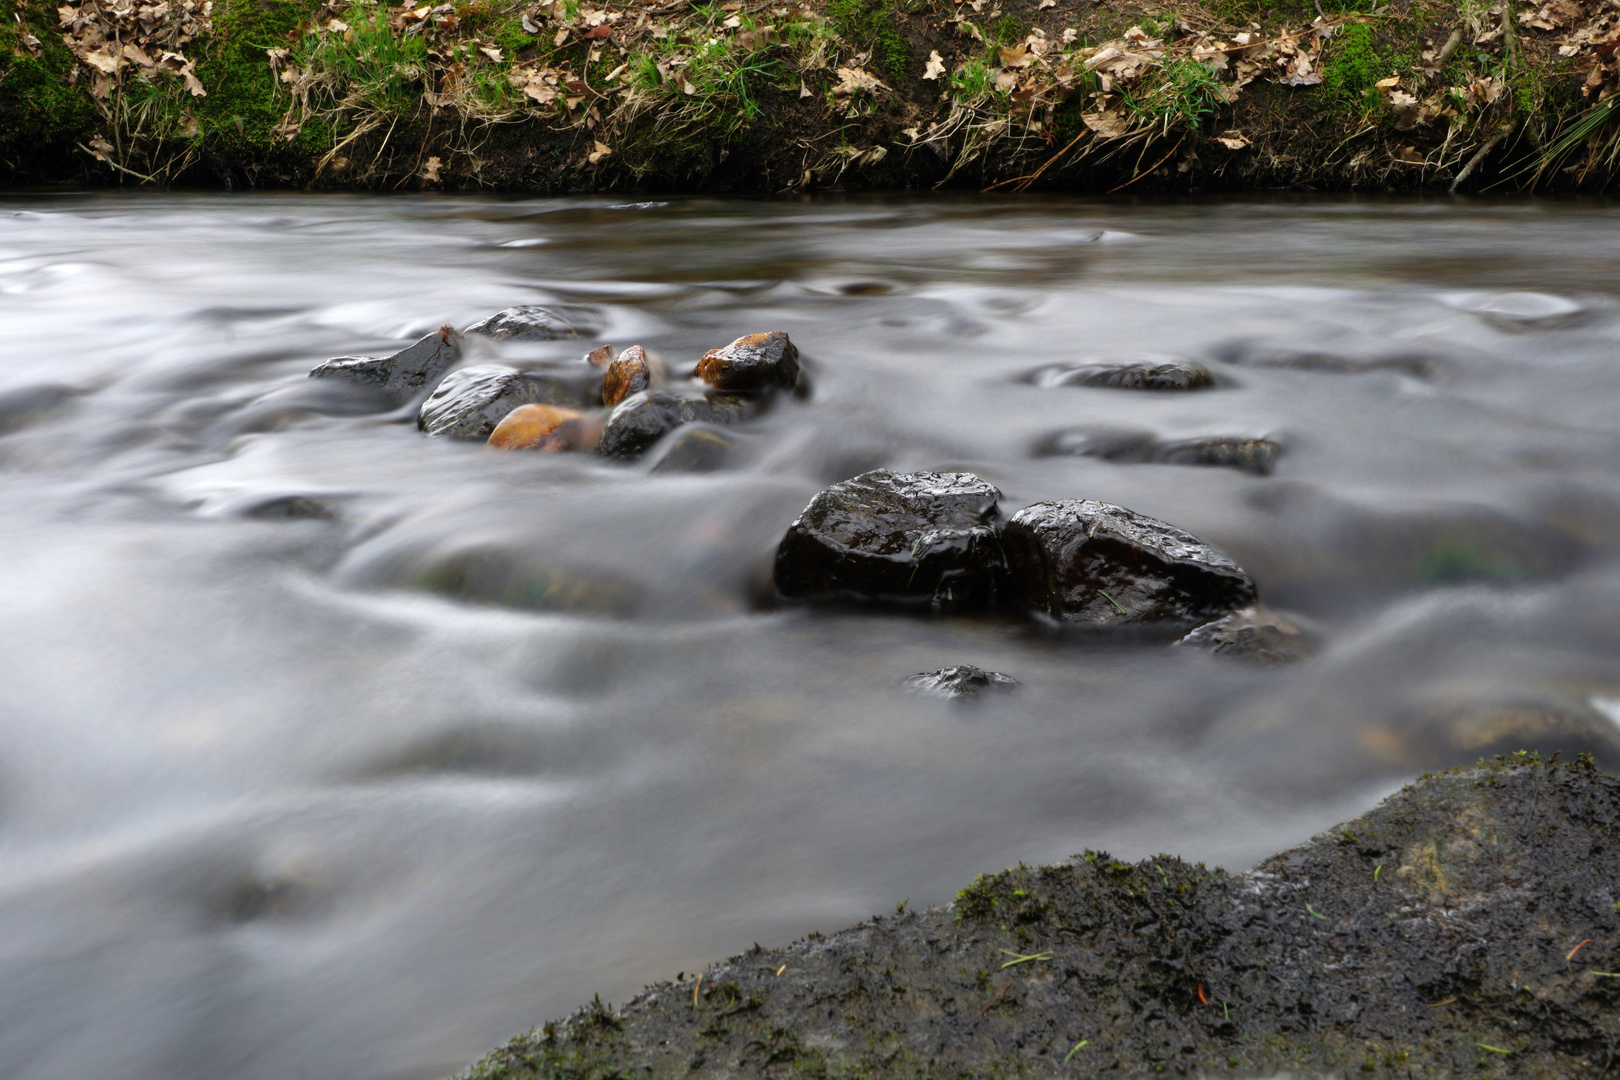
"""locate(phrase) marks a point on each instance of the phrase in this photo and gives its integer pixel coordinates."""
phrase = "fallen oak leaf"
(601, 151)
(430, 170)
(935, 66)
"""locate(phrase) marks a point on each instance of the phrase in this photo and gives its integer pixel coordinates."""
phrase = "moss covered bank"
(1467, 927)
(779, 95)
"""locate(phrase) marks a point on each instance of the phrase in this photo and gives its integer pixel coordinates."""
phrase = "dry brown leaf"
(1108, 124)
(598, 152)
(430, 170)
(933, 69)
(491, 52)
(1233, 140)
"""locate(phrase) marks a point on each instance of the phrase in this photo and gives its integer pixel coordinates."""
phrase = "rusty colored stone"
(765, 361)
(631, 373)
(600, 356)
(537, 427)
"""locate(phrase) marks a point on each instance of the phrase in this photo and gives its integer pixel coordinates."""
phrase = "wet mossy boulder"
(916, 538)
(402, 377)
(640, 420)
(961, 682)
(539, 322)
(469, 402)
(1099, 565)
(751, 364)
(1151, 374)
(1466, 927)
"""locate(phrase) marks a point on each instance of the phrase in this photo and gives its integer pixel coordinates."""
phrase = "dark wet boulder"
(1099, 565)
(469, 402)
(1154, 374)
(539, 322)
(1256, 635)
(918, 537)
(640, 420)
(698, 448)
(405, 375)
(767, 361)
(963, 682)
(1465, 927)
(631, 372)
(550, 428)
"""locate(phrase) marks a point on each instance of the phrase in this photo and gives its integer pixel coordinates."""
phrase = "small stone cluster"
(616, 406)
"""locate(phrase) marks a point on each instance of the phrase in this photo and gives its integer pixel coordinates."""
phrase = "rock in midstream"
(911, 537)
(631, 372)
(539, 322)
(1101, 565)
(1257, 457)
(698, 448)
(549, 428)
(756, 362)
(1256, 635)
(1466, 927)
(640, 420)
(405, 375)
(472, 400)
(1166, 374)
(964, 682)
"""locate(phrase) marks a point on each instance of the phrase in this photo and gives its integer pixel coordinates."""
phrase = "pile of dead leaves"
(112, 39)
(1589, 33)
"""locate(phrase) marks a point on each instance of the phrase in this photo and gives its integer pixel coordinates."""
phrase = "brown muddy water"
(270, 808)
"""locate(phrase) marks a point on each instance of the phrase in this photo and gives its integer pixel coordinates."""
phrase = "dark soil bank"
(1466, 927)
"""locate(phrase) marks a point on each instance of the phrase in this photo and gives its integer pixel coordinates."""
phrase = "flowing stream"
(272, 807)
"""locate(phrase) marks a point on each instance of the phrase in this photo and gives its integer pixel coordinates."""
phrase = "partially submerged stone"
(756, 362)
(471, 401)
(698, 448)
(909, 537)
(631, 372)
(538, 427)
(1155, 374)
(962, 682)
(640, 420)
(1100, 565)
(1256, 635)
(601, 356)
(1257, 457)
(539, 322)
(1465, 927)
(405, 375)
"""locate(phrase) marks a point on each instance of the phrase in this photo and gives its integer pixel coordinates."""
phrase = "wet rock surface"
(1152, 374)
(469, 402)
(539, 322)
(698, 448)
(639, 421)
(1257, 457)
(631, 372)
(1263, 354)
(964, 682)
(911, 537)
(399, 378)
(539, 427)
(1256, 635)
(756, 362)
(1099, 565)
(1434, 936)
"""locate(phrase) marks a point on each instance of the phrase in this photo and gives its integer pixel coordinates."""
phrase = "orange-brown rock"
(764, 361)
(632, 372)
(538, 427)
(601, 356)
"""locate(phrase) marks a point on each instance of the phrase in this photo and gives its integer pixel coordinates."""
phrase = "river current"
(271, 807)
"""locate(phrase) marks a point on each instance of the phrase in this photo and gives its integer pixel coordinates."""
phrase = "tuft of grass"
(1186, 96)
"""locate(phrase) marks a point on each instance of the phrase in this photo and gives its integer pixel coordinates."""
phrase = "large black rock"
(404, 376)
(642, 419)
(1096, 564)
(910, 537)
(471, 401)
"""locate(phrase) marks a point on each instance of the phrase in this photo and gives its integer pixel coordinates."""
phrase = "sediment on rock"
(1466, 927)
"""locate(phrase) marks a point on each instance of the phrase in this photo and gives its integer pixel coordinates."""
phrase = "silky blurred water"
(270, 808)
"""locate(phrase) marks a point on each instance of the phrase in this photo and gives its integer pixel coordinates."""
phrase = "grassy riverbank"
(763, 96)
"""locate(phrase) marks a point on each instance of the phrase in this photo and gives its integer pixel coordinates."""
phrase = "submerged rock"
(470, 402)
(1255, 456)
(961, 682)
(601, 356)
(403, 376)
(1256, 635)
(543, 427)
(640, 420)
(1165, 374)
(698, 448)
(1465, 927)
(539, 322)
(910, 537)
(1096, 564)
(767, 361)
(1134, 446)
(630, 373)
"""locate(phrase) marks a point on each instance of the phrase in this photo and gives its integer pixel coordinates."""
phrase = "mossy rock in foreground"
(1463, 928)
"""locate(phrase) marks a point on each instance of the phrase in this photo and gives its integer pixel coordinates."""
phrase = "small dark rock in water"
(1256, 635)
(767, 361)
(642, 419)
(538, 322)
(1096, 564)
(1141, 375)
(631, 373)
(1125, 445)
(1460, 929)
(910, 537)
(1256, 456)
(962, 681)
(1266, 355)
(292, 508)
(1135, 446)
(470, 402)
(698, 448)
(403, 376)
